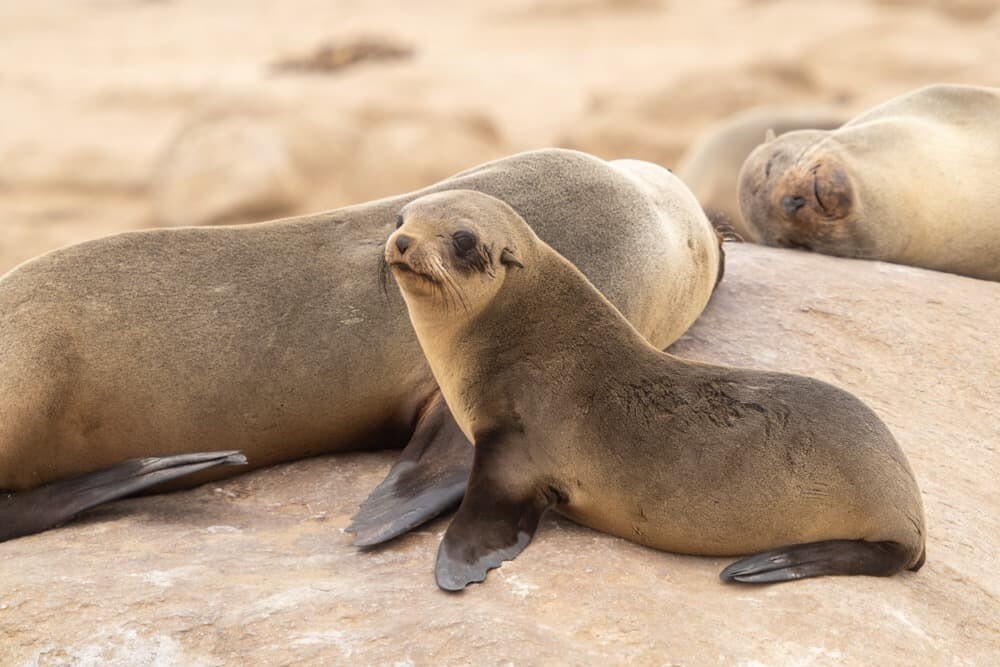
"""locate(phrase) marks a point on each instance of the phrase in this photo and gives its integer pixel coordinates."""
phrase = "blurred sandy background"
(123, 114)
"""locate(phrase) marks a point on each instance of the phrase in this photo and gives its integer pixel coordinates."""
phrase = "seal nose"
(792, 204)
(402, 243)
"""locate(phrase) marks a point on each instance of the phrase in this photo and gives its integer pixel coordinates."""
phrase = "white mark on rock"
(115, 646)
(518, 586)
(907, 623)
(336, 638)
(223, 529)
(165, 578)
(753, 601)
(280, 601)
(820, 652)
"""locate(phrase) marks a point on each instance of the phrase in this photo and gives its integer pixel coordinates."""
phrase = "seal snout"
(403, 257)
(792, 204)
(813, 193)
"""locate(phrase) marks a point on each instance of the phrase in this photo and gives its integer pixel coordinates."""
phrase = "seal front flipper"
(428, 479)
(55, 503)
(495, 523)
(816, 559)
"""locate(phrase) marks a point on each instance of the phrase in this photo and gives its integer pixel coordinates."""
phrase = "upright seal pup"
(711, 166)
(275, 338)
(909, 182)
(570, 408)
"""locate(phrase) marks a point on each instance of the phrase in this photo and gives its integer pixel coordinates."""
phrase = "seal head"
(452, 249)
(798, 193)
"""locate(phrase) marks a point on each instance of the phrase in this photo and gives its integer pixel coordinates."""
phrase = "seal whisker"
(433, 268)
(457, 292)
(448, 283)
(383, 274)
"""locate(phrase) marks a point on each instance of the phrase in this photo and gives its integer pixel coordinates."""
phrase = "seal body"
(570, 408)
(276, 339)
(711, 166)
(904, 182)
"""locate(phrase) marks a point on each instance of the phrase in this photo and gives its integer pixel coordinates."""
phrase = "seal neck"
(547, 332)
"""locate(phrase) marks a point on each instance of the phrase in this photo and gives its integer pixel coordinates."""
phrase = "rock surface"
(258, 570)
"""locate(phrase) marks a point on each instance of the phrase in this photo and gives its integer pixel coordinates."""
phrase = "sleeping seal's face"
(796, 192)
(451, 251)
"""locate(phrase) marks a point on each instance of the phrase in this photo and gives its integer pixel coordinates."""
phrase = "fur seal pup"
(275, 338)
(711, 165)
(906, 182)
(570, 408)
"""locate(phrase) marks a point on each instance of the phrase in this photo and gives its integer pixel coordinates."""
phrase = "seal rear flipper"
(55, 503)
(816, 559)
(428, 479)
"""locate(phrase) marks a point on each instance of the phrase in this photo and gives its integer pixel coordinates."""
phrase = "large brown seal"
(570, 408)
(907, 182)
(711, 165)
(276, 339)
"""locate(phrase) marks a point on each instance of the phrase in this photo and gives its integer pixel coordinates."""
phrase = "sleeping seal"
(910, 182)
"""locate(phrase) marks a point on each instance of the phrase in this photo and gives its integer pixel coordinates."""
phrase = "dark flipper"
(428, 479)
(723, 226)
(816, 559)
(495, 523)
(724, 231)
(55, 503)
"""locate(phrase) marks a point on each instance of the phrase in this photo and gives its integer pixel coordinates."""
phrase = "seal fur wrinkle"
(570, 408)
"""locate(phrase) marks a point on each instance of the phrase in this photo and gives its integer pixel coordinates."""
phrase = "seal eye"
(463, 241)
(399, 221)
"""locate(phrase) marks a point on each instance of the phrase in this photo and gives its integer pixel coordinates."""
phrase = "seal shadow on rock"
(274, 339)
(570, 408)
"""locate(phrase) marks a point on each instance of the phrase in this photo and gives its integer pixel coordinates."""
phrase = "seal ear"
(509, 256)
(769, 135)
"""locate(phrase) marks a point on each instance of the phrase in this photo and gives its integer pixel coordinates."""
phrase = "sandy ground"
(125, 114)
